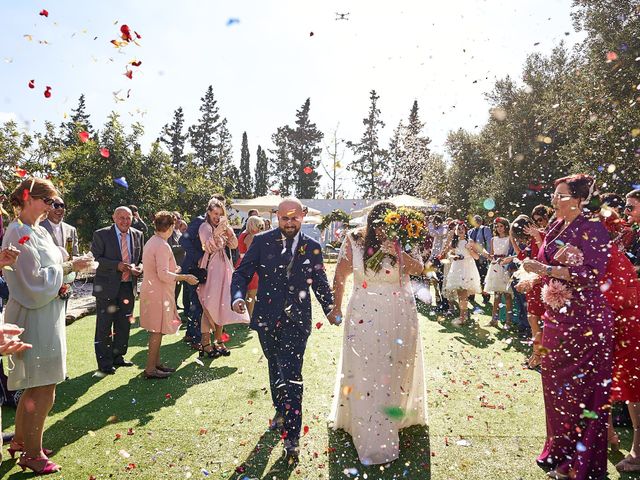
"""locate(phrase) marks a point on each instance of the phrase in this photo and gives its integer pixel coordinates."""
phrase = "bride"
(380, 384)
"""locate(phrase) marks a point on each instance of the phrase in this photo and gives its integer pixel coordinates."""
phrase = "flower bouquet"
(404, 227)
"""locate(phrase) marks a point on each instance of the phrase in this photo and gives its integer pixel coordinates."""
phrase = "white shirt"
(57, 233)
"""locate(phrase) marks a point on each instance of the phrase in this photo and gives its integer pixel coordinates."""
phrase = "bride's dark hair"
(374, 219)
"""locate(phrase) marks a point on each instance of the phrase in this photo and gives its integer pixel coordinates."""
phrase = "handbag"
(199, 272)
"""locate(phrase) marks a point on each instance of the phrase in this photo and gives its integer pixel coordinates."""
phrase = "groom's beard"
(289, 232)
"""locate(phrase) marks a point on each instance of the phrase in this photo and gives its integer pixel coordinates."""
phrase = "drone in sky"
(342, 16)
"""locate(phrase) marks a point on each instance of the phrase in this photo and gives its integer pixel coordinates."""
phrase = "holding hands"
(9, 341)
(335, 316)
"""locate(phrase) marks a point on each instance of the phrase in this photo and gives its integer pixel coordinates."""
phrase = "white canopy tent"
(405, 201)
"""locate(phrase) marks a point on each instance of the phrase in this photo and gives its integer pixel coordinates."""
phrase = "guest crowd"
(566, 276)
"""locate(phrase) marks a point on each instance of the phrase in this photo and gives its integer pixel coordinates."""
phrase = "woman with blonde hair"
(35, 305)
(255, 225)
(215, 235)
(158, 311)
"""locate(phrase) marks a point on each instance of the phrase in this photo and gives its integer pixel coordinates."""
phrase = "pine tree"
(79, 122)
(245, 184)
(370, 158)
(174, 139)
(262, 173)
(204, 136)
(414, 159)
(305, 151)
(225, 173)
(282, 161)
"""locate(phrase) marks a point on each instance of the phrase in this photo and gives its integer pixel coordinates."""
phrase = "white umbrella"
(265, 204)
(405, 201)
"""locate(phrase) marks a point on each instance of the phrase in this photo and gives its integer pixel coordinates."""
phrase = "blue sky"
(264, 67)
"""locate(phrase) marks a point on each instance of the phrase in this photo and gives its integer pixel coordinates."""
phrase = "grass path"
(209, 420)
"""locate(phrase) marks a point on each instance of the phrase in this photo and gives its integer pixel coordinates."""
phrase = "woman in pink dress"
(158, 312)
(255, 225)
(215, 235)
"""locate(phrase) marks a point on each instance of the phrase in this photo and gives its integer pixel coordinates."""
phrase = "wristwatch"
(549, 270)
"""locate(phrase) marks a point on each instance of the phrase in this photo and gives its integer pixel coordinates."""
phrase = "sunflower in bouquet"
(405, 227)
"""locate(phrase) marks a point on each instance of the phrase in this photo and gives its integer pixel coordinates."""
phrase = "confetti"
(32, 84)
(305, 430)
(47, 92)
(394, 413)
(225, 337)
(318, 325)
(83, 136)
(105, 152)
(44, 13)
(232, 21)
(307, 170)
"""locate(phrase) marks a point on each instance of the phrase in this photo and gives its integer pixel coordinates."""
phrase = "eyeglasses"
(48, 201)
(561, 195)
(629, 208)
(57, 205)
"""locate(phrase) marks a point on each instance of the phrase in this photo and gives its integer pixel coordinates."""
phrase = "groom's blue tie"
(288, 251)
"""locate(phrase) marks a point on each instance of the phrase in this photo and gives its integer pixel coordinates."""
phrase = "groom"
(287, 263)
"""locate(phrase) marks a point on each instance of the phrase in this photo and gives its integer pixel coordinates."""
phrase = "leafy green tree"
(174, 139)
(369, 163)
(262, 173)
(245, 183)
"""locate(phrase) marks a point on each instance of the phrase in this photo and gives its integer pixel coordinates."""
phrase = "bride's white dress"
(380, 387)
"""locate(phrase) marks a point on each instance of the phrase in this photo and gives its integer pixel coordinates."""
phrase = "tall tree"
(204, 135)
(174, 139)
(412, 157)
(245, 183)
(335, 164)
(282, 166)
(226, 172)
(305, 152)
(79, 121)
(369, 163)
(262, 173)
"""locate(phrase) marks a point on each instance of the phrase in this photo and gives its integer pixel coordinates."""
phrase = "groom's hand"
(239, 306)
(335, 316)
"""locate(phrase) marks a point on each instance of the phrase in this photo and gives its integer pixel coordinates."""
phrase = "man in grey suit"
(63, 234)
(117, 249)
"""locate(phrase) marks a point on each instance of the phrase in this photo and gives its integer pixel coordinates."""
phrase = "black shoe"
(277, 424)
(291, 452)
(7, 437)
(123, 363)
(108, 370)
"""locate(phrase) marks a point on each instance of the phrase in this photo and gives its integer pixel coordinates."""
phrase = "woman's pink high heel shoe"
(40, 466)
(15, 447)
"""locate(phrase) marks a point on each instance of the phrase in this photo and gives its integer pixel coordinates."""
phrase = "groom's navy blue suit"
(282, 313)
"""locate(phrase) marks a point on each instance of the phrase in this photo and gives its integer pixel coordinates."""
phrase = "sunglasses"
(48, 201)
(57, 205)
(629, 208)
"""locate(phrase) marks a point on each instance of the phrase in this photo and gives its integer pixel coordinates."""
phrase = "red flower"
(32, 84)
(24, 239)
(44, 13)
(84, 136)
(126, 33)
(104, 152)
(47, 92)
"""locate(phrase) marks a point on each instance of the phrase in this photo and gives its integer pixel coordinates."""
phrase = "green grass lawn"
(209, 421)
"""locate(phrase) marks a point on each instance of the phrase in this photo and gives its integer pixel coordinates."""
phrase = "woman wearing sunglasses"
(36, 307)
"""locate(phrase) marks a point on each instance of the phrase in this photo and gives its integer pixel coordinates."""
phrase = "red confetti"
(47, 92)
(283, 435)
(131, 466)
(118, 436)
(131, 431)
(24, 239)
(32, 84)
(167, 396)
(105, 152)
(136, 63)
(92, 477)
(126, 33)
(305, 430)
(318, 325)
(129, 74)
(84, 136)
(225, 337)
(307, 170)
(612, 56)
(44, 13)
(364, 284)
(21, 172)
(138, 36)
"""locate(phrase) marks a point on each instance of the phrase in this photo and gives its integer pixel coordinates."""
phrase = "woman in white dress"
(463, 277)
(498, 280)
(380, 385)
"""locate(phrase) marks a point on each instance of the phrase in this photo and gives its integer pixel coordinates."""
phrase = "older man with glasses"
(64, 235)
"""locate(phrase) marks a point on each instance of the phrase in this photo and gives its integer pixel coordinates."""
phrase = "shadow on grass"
(255, 464)
(414, 460)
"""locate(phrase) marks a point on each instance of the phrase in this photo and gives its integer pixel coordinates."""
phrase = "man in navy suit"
(288, 263)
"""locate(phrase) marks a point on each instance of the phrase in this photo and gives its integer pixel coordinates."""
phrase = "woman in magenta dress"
(577, 336)
(255, 225)
(215, 235)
